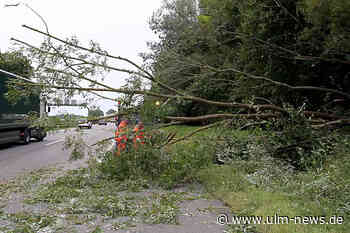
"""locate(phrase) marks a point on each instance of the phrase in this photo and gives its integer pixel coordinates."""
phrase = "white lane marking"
(54, 142)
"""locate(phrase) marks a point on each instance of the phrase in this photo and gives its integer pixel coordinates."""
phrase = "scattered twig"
(170, 124)
(252, 124)
(332, 123)
(102, 141)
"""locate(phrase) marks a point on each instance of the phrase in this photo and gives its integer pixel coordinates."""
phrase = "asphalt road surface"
(16, 158)
(197, 215)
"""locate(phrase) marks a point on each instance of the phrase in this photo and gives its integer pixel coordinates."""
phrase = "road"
(195, 215)
(16, 158)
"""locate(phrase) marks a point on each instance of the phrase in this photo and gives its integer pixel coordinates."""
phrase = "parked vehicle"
(84, 124)
(15, 123)
(102, 122)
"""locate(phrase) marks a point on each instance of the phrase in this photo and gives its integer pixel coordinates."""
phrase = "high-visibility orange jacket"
(139, 132)
(121, 135)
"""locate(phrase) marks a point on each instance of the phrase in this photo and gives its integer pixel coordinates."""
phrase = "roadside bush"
(330, 185)
(234, 146)
(290, 139)
(298, 144)
(144, 162)
(246, 152)
(185, 161)
(169, 166)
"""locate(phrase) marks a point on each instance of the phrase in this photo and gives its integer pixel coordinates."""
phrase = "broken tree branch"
(102, 141)
(149, 93)
(104, 53)
(332, 123)
(299, 88)
(225, 115)
(196, 131)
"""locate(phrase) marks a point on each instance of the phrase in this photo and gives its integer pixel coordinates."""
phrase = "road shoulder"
(58, 199)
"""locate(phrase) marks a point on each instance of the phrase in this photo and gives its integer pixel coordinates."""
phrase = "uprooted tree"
(217, 61)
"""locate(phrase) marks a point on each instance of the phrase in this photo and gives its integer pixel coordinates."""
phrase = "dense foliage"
(297, 42)
(14, 99)
(97, 112)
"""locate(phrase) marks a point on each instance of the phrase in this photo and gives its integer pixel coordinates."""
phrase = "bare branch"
(104, 53)
(101, 96)
(311, 88)
(322, 115)
(149, 93)
(102, 141)
(89, 50)
(10, 5)
(170, 124)
(310, 58)
(296, 56)
(82, 60)
(263, 99)
(332, 123)
(227, 115)
(124, 91)
(197, 131)
(252, 124)
(80, 76)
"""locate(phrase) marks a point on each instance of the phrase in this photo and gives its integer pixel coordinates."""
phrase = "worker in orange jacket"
(139, 134)
(121, 136)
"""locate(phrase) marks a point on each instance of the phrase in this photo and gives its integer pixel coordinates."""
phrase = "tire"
(39, 134)
(26, 137)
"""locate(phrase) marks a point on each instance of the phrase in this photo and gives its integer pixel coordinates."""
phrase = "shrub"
(235, 146)
(290, 139)
(169, 166)
(298, 144)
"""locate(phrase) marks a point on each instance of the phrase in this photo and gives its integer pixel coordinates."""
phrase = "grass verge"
(262, 186)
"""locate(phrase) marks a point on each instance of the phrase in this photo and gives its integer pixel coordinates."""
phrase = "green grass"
(181, 130)
(257, 185)
(228, 184)
(317, 192)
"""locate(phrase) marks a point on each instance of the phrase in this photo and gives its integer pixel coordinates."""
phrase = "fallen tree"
(50, 76)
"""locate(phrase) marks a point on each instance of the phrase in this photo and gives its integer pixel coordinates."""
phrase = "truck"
(15, 122)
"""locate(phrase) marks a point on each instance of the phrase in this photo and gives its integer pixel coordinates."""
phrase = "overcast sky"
(121, 27)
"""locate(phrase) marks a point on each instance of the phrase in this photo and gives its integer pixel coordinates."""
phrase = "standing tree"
(95, 113)
(17, 97)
